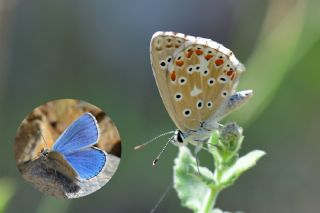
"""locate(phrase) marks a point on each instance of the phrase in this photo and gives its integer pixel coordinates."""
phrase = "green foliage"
(220, 211)
(193, 189)
(6, 192)
(282, 43)
(52, 205)
(199, 191)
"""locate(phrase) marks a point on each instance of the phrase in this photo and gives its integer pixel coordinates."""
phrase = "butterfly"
(73, 153)
(197, 79)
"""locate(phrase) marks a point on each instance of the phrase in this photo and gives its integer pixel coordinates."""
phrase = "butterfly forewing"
(195, 76)
(82, 133)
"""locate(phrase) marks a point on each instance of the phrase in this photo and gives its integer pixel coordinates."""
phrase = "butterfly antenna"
(44, 140)
(164, 147)
(32, 159)
(153, 139)
(162, 197)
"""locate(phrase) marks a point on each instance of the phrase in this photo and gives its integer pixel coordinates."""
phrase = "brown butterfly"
(197, 79)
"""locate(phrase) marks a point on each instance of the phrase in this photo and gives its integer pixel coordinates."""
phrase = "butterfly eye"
(199, 104)
(179, 138)
(178, 96)
(187, 112)
(222, 79)
(205, 72)
(211, 81)
(209, 104)
(190, 69)
(182, 80)
(224, 93)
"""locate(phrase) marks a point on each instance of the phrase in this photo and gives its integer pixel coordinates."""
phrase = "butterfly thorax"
(200, 136)
(194, 137)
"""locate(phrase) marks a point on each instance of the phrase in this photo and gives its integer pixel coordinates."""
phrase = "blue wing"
(88, 162)
(82, 133)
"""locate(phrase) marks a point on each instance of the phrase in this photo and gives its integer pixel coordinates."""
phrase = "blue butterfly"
(73, 154)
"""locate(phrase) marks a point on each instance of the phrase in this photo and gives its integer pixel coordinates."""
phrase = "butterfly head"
(179, 139)
(44, 153)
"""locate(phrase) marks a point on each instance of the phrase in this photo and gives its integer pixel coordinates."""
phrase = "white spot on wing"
(187, 112)
(195, 91)
(182, 80)
(209, 104)
(178, 96)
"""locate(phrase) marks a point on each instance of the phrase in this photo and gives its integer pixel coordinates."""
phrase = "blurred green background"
(98, 51)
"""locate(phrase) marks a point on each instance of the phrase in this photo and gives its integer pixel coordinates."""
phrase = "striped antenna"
(152, 140)
(165, 146)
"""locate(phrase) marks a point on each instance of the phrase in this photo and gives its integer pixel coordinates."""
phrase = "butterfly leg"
(196, 151)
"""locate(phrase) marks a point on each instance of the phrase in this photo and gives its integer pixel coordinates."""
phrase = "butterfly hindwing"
(88, 162)
(82, 133)
(195, 76)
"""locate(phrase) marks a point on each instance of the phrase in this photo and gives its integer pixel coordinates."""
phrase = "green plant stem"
(211, 199)
(6, 192)
(215, 190)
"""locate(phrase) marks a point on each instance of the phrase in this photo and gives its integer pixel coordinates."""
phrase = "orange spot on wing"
(218, 62)
(230, 72)
(199, 52)
(208, 57)
(179, 63)
(177, 46)
(189, 53)
(173, 76)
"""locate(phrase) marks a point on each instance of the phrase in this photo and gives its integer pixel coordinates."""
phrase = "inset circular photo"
(67, 148)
